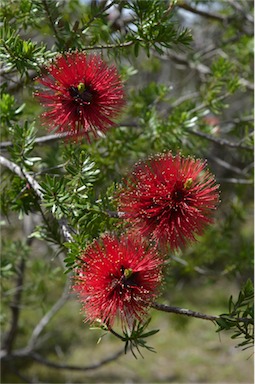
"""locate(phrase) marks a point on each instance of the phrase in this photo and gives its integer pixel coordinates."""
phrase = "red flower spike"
(118, 278)
(83, 94)
(169, 199)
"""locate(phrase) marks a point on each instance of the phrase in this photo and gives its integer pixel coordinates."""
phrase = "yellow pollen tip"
(128, 272)
(188, 183)
(81, 87)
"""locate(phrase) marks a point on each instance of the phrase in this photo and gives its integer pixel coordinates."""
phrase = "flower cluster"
(118, 277)
(169, 198)
(83, 94)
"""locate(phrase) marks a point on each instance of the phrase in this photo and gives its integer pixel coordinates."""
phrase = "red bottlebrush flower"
(118, 278)
(83, 94)
(169, 198)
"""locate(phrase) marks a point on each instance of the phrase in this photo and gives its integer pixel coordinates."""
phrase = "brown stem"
(15, 308)
(188, 312)
(197, 11)
(220, 141)
(52, 23)
(36, 188)
(98, 14)
(117, 335)
(48, 316)
(183, 311)
(35, 356)
(112, 46)
(23, 175)
(39, 140)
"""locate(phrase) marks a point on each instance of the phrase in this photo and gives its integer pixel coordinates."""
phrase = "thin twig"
(182, 99)
(54, 137)
(52, 23)
(23, 175)
(237, 6)
(183, 311)
(114, 214)
(15, 308)
(48, 316)
(235, 181)
(99, 14)
(199, 67)
(66, 230)
(117, 335)
(16, 372)
(239, 120)
(190, 313)
(112, 46)
(39, 140)
(199, 12)
(225, 164)
(220, 141)
(41, 360)
(37, 189)
(9, 338)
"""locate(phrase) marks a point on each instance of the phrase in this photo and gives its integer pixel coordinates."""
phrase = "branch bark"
(37, 189)
(199, 67)
(220, 141)
(15, 309)
(208, 15)
(183, 311)
(41, 360)
(190, 313)
(51, 21)
(39, 140)
(23, 175)
(47, 317)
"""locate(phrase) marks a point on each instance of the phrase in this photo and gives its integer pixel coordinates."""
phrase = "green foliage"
(71, 195)
(223, 82)
(17, 196)
(24, 12)
(153, 27)
(134, 339)
(11, 252)
(81, 171)
(49, 231)
(174, 88)
(23, 143)
(240, 316)
(21, 55)
(68, 194)
(56, 196)
(9, 111)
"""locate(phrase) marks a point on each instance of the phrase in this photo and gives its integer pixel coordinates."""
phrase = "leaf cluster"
(10, 253)
(223, 81)
(65, 193)
(20, 54)
(134, 337)
(134, 340)
(240, 316)
(9, 111)
(71, 194)
(153, 27)
(23, 137)
(17, 196)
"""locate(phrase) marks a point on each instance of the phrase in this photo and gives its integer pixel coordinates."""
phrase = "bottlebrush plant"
(126, 176)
